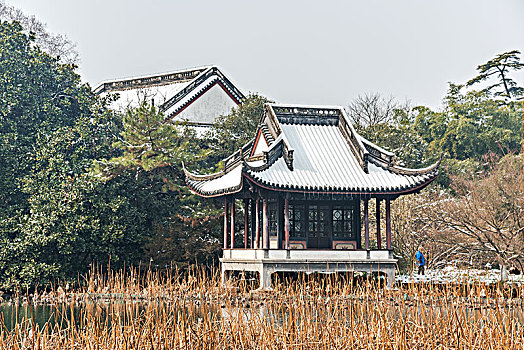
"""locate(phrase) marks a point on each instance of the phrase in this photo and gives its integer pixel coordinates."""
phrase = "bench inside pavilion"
(304, 182)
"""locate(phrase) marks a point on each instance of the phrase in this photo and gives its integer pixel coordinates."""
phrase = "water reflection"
(275, 312)
(363, 311)
(104, 314)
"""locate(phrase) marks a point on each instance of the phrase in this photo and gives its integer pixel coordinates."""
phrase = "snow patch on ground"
(454, 275)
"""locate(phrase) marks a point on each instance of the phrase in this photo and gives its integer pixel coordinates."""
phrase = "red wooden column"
(379, 238)
(366, 223)
(265, 225)
(246, 221)
(226, 205)
(388, 224)
(232, 223)
(286, 223)
(257, 223)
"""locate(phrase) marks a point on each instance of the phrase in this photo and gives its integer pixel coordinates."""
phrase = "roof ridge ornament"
(354, 141)
(151, 80)
(307, 115)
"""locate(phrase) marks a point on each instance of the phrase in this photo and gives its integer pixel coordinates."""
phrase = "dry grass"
(154, 311)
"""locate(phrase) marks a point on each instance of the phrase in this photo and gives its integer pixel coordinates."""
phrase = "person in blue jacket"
(421, 261)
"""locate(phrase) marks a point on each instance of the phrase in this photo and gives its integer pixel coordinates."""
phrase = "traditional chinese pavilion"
(305, 181)
(196, 96)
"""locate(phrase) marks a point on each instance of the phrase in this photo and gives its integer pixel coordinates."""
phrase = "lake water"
(105, 313)
(65, 314)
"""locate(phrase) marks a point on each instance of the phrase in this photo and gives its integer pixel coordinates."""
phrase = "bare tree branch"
(371, 109)
(56, 45)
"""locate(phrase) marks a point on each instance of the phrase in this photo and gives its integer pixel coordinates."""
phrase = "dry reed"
(131, 310)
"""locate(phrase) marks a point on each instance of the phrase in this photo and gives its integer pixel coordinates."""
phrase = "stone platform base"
(268, 261)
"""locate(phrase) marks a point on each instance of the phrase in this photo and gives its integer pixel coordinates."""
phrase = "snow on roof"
(323, 160)
(150, 79)
(315, 149)
(190, 96)
(157, 95)
(216, 184)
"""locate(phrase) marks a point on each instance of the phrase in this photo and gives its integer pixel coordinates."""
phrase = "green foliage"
(74, 219)
(149, 142)
(471, 125)
(234, 130)
(152, 148)
(54, 219)
(180, 227)
(36, 96)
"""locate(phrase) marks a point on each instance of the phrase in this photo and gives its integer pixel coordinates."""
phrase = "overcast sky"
(308, 52)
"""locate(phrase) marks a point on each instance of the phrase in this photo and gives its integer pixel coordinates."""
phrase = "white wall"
(207, 107)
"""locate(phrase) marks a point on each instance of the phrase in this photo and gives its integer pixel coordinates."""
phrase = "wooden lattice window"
(317, 220)
(343, 218)
(297, 222)
(273, 218)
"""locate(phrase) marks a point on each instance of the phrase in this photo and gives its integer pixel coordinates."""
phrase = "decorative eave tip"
(217, 184)
(199, 177)
(433, 168)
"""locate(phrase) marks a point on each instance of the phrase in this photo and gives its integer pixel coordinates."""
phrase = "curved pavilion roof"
(309, 149)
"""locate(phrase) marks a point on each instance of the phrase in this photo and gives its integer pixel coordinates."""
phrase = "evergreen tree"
(234, 130)
(500, 66)
(54, 218)
(181, 228)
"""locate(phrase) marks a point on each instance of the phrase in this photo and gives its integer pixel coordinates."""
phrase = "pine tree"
(150, 144)
(500, 66)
